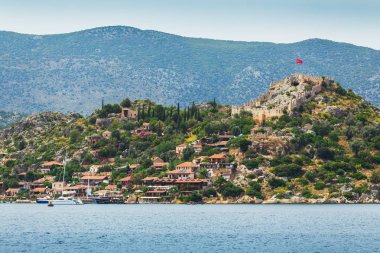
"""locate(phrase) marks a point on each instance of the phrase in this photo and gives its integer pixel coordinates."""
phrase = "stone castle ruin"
(283, 96)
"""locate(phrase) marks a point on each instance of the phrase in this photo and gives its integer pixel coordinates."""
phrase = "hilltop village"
(307, 140)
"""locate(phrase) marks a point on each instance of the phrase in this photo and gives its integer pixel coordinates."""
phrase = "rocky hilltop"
(323, 146)
(73, 72)
(284, 96)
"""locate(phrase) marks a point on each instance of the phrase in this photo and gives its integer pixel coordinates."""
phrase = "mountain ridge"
(74, 71)
(187, 37)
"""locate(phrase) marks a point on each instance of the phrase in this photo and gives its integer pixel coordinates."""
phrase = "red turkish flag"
(299, 61)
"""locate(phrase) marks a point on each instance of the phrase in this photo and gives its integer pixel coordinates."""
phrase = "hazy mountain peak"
(74, 71)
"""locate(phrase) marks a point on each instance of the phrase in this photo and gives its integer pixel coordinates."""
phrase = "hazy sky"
(353, 21)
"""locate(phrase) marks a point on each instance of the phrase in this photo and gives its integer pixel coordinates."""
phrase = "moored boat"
(67, 201)
(110, 200)
(43, 200)
(62, 200)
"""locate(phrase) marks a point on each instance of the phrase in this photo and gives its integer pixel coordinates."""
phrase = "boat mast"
(64, 171)
(88, 187)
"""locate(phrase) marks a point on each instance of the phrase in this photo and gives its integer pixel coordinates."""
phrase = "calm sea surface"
(189, 228)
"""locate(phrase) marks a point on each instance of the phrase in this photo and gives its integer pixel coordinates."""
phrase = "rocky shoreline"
(249, 200)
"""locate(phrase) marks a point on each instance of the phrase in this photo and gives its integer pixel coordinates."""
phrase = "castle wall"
(262, 114)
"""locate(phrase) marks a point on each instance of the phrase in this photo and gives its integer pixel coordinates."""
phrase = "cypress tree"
(178, 116)
(149, 110)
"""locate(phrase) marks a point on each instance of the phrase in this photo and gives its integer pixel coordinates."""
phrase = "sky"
(280, 21)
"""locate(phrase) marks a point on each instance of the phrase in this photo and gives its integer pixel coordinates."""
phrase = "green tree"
(210, 192)
(375, 177)
(126, 102)
(195, 197)
(231, 190)
(74, 136)
(236, 131)
(160, 112)
(188, 152)
(29, 176)
(357, 146)
(276, 182)
(288, 170)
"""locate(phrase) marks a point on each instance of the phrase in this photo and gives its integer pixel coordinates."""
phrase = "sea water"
(189, 228)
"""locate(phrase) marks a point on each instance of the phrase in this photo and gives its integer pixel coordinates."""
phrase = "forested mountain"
(74, 71)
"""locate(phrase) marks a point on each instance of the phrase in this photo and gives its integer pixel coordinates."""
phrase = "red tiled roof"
(39, 189)
(134, 166)
(181, 171)
(51, 163)
(218, 156)
(186, 165)
(111, 187)
(219, 143)
(15, 190)
(94, 177)
(159, 164)
(125, 179)
(150, 178)
(77, 187)
(186, 181)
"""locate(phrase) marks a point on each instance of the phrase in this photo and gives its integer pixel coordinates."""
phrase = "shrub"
(375, 177)
(288, 170)
(195, 197)
(255, 185)
(231, 190)
(358, 175)
(335, 166)
(349, 195)
(240, 142)
(74, 136)
(276, 182)
(303, 181)
(126, 102)
(361, 189)
(310, 175)
(102, 113)
(306, 193)
(251, 164)
(319, 186)
(254, 193)
(357, 146)
(326, 153)
(322, 128)
(376, 142)
(210, 192)
(188, 152)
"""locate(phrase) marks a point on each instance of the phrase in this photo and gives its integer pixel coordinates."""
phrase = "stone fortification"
(283, 96)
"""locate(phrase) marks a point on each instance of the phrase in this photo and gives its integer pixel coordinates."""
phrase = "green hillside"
(326, 150)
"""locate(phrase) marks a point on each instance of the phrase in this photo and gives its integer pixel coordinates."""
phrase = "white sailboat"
(62, 200)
